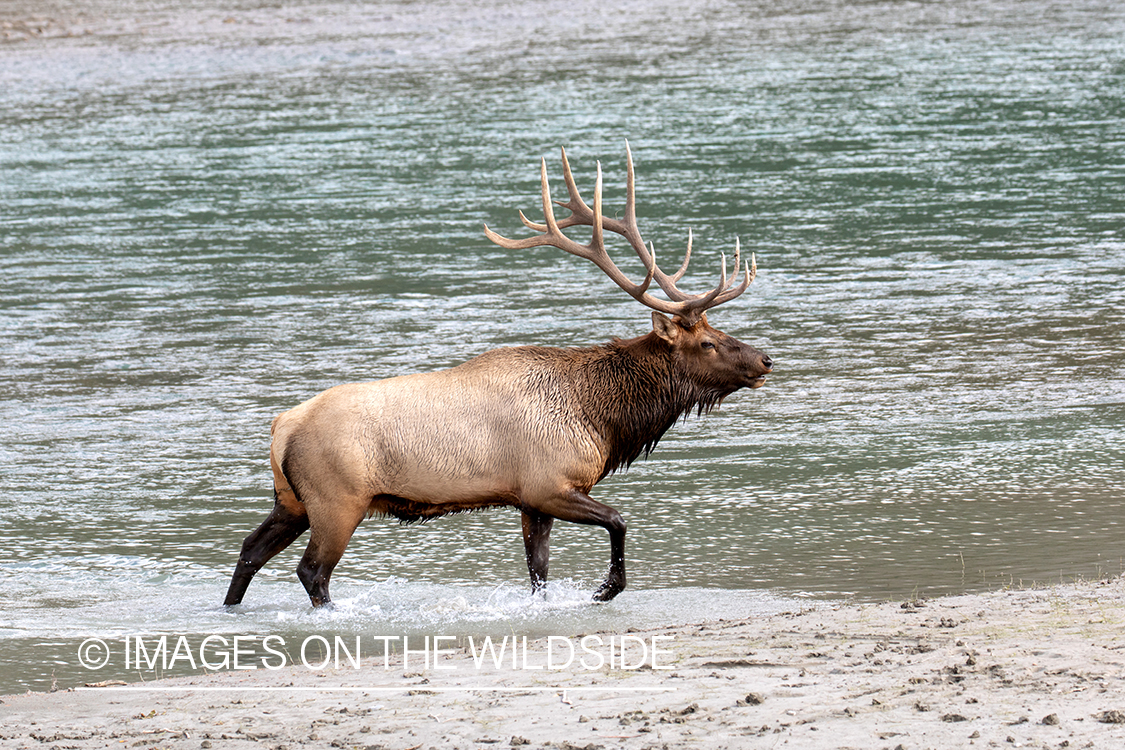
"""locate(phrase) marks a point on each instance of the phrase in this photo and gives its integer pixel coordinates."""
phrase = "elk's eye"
(707, 345)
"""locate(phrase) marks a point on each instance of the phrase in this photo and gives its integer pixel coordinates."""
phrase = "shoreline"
(1032, 668)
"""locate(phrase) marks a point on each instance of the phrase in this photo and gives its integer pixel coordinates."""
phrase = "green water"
(209, 215)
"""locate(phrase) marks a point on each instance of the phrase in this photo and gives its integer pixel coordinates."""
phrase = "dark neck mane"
(633, 394)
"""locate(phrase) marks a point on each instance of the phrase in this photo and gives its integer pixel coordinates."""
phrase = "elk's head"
(704, 355)
(712, 360)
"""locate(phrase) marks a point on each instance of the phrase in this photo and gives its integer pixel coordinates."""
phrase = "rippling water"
(209, 215)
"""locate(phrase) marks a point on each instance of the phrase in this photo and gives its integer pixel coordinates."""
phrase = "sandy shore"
(1036, 668)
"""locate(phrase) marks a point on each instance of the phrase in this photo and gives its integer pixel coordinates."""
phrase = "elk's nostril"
(767, 362)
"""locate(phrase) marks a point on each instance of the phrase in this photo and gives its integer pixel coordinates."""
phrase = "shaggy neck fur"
(634, 392)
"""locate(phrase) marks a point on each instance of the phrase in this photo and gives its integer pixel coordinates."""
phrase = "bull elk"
(530, 427)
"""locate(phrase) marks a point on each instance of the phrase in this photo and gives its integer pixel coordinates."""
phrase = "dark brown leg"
(576, 506)
(315, 571)
(614, 582)
(537, 546)
(281, 527)
(326, 547)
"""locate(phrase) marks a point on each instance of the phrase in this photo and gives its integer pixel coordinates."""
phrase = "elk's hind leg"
(282, 526)
(332, 528)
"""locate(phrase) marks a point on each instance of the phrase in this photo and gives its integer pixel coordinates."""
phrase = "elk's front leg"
(576, 506)
(537, 546)
(614, 582)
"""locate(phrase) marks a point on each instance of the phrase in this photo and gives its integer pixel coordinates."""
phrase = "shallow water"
(210, 215)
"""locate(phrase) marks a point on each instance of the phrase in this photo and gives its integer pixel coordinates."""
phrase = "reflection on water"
(210, 215)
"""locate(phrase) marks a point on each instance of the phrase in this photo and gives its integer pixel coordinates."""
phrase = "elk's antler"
(688, 307)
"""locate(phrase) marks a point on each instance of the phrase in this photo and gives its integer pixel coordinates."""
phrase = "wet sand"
(1028, 668)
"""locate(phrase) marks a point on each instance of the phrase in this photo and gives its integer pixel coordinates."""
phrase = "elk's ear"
(665, 328)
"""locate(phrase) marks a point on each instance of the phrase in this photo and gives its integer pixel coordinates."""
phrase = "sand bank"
(1031, 668)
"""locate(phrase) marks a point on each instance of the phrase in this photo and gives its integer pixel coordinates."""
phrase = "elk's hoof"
(607, 591)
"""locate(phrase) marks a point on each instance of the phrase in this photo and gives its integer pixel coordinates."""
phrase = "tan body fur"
(489, 432)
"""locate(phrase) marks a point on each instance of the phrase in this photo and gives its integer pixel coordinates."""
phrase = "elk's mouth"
(758, 382)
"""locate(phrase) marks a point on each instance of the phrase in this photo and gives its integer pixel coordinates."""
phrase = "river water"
(209, 215)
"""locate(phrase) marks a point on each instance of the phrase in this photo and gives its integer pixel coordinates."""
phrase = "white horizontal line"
(381, 689)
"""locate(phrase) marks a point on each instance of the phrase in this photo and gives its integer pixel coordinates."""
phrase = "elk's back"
(489, 432)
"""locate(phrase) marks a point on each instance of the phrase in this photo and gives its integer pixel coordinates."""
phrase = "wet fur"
(636, 396)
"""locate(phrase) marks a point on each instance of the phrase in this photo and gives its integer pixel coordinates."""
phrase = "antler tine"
(751, 273)
(695, 305)
(576, 204)
(726, 282)
(637, 291)
(630, 189)
(737, 261)
(751, 267)
(687, 259)
(531, 224)
(598, 239)
(580, 213)
(652, 270)
(548, 212)
(629, 229)
(550, 228)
